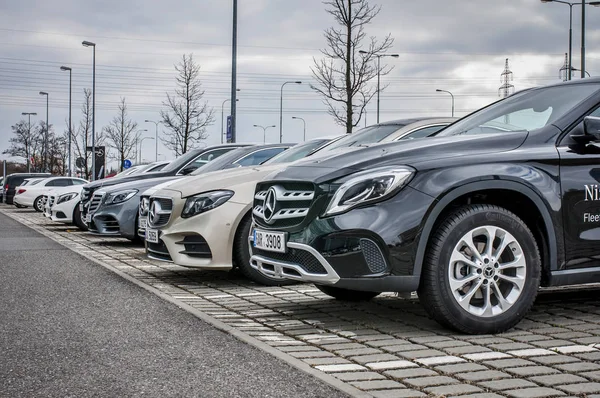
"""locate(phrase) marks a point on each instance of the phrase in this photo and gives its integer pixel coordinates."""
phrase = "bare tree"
(121, 134)
(82, 136)
(186, 116)
(344, 73)
(24, 142)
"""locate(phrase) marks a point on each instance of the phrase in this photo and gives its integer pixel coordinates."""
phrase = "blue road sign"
(126, 163)
(229, 128)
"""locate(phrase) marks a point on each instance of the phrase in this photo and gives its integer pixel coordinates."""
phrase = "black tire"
(241, 257)
(346, 294)
(434, 291)
(37, 204)
(77, 219)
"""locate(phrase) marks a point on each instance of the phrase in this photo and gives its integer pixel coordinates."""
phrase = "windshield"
(297, 152)
(368, 135)
(528, 110)
(181, 161)
(222, 161)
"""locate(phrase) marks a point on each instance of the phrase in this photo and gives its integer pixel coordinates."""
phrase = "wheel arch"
(247, 212)
(545, 236)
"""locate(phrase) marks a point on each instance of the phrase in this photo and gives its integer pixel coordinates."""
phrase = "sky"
(454, 45)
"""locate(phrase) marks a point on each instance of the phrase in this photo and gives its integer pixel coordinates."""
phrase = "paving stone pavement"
(387, 347)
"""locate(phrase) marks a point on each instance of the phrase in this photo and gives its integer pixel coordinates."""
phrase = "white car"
(32, 195)
(62, 205)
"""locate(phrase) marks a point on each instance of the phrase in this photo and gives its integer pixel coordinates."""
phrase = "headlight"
(206, 201)
(369, 186)
(66, 197)
(120, 197)
(144, 206)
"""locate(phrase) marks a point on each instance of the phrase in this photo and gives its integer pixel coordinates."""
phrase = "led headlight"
(368, 186)
(206, 201)
(66, 197)
(120, 197)
(144, 206)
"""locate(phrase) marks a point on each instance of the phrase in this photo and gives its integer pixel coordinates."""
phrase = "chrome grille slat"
(95, 202)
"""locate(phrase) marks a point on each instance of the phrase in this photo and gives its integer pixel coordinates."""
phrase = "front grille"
(282, 204)
(160, 211)
(86, 195)
(195, 246)
(373, 256)
(95, 202)
(159, 250)
(302, 258)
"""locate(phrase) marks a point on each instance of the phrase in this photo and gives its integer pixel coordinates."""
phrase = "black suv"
(14, 180)
(474, 219)
(183, 165)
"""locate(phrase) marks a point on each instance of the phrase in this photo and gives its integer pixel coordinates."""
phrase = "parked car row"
(474, 214)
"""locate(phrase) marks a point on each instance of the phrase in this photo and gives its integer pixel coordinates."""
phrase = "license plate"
(88, 218)
(143, 223)
(152, 235)
(269, 241)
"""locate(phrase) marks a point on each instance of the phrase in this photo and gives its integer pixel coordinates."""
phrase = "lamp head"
(65, 68)
(43, 93)
(298, 82)
(438, 90)
(362, 52)
(395, 55)
(88, 44)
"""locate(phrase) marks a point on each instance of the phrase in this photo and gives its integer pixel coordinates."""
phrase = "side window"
(205, 158)
(77, 182)
(52, 183)
(259, 157)
(424, 132)
(596, 113)
(62, 182)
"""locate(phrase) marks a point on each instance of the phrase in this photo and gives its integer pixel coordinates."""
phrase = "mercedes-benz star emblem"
(154, 213)
(269, 205)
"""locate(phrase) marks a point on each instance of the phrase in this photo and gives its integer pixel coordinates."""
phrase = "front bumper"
(371, 248)
(64, 212)
(202, 241)
(118, 220)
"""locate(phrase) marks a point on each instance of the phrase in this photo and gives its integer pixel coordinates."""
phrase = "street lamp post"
(64, 68)
(155, 137)
(223, 114)
(141, 142)
(90, 44)
(264, 131)
(446, 91)
(46, 132)
(281, 109)
(304, 123)
(379, 73)
(583, 3)
(29, 114)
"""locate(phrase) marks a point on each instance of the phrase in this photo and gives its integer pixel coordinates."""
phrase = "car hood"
(57, 191)
(412, 153)
(233, 179)
(140, 185)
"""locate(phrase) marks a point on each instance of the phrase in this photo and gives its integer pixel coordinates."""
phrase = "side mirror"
(589, 132)
(591, 127)
(187, 170)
